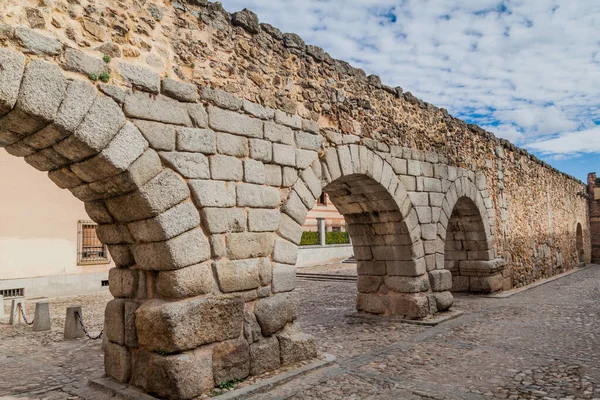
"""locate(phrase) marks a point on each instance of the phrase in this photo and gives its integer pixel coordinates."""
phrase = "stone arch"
(468, 238)
(381, 221)
(579, 243)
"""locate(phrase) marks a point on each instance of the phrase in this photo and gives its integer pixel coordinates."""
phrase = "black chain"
(23, 314)
(85, 330)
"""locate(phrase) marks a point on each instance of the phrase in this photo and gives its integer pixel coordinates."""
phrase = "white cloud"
(525, 69)
(586, 141)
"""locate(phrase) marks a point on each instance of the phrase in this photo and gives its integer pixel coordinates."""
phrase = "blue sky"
(527, 70)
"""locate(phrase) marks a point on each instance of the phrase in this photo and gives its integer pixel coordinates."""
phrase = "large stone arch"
(382, 223)
(468, 236)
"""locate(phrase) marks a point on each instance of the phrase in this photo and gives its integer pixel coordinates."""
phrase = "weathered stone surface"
(42, 89)
(13, 65)
(274, 312)
(117, 362)
(232, 145)
(290, 229)
(213, 193)
(160, 136)
(36, 43)
(260, 220)
(285, 252)
(182, 91)
(171, 223)
(188, 165)
(254, 172)
(187, 324)
(232, 122)
(443, 300)
(78, 61)
(141, 106)
(161, 193)
(258, 111)
(284, 278)
(121, 152)
(196, 140)
(295, 346)
(181, 251)
(261, 150)
(221, 220)
(257, 196)
(485, 284)
(186, 282)
(140, 77)
(441, 280)
(407, 284)
(247, 20)
(226, 168)
(249, 245)
(123, 282)
(264, 356)
(100, 125)
(175, 376)
(231, 360)
(284, 155)
(221, 98)
(308, 141)
(235, 276)
(114, 321)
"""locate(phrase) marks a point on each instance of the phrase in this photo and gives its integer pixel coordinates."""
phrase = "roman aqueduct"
(202, 153)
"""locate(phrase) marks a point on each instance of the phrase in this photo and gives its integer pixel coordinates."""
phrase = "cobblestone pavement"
(543, 343)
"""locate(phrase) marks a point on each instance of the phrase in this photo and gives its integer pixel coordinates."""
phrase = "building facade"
(48, 244)
(324, 208)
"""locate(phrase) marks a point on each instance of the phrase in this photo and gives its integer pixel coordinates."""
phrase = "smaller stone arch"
(579, 243)
(381, 221)
(468, 239)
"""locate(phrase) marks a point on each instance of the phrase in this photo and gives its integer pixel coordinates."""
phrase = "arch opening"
(468, 254)
(579, 244)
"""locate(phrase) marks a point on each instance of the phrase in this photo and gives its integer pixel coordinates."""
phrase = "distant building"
(594, 193)
(324, 208)
(48, 245)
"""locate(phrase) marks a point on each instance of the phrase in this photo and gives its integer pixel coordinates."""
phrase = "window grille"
(12, 293)
(90, 250)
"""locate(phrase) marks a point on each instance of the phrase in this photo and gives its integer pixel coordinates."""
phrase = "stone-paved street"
(543, 343)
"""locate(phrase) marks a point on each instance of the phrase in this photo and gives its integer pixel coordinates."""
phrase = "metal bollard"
(73, 329)
(1, 306)
(41, 320)
(15, 313)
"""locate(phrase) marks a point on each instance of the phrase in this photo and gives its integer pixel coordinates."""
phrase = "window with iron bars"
(90, 250)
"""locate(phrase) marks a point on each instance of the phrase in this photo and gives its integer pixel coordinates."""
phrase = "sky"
(526, 70)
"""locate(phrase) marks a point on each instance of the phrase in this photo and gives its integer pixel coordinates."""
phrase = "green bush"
(312, 238)
(309, 239)
(337, 238)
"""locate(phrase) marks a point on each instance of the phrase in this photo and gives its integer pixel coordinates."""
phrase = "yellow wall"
(38, 224)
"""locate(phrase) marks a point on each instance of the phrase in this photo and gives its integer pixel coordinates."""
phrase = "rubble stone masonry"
(594, 196)
(199, 141)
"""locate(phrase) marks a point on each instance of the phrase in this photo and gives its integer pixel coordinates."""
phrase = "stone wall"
(594, 200)
(202, 152)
